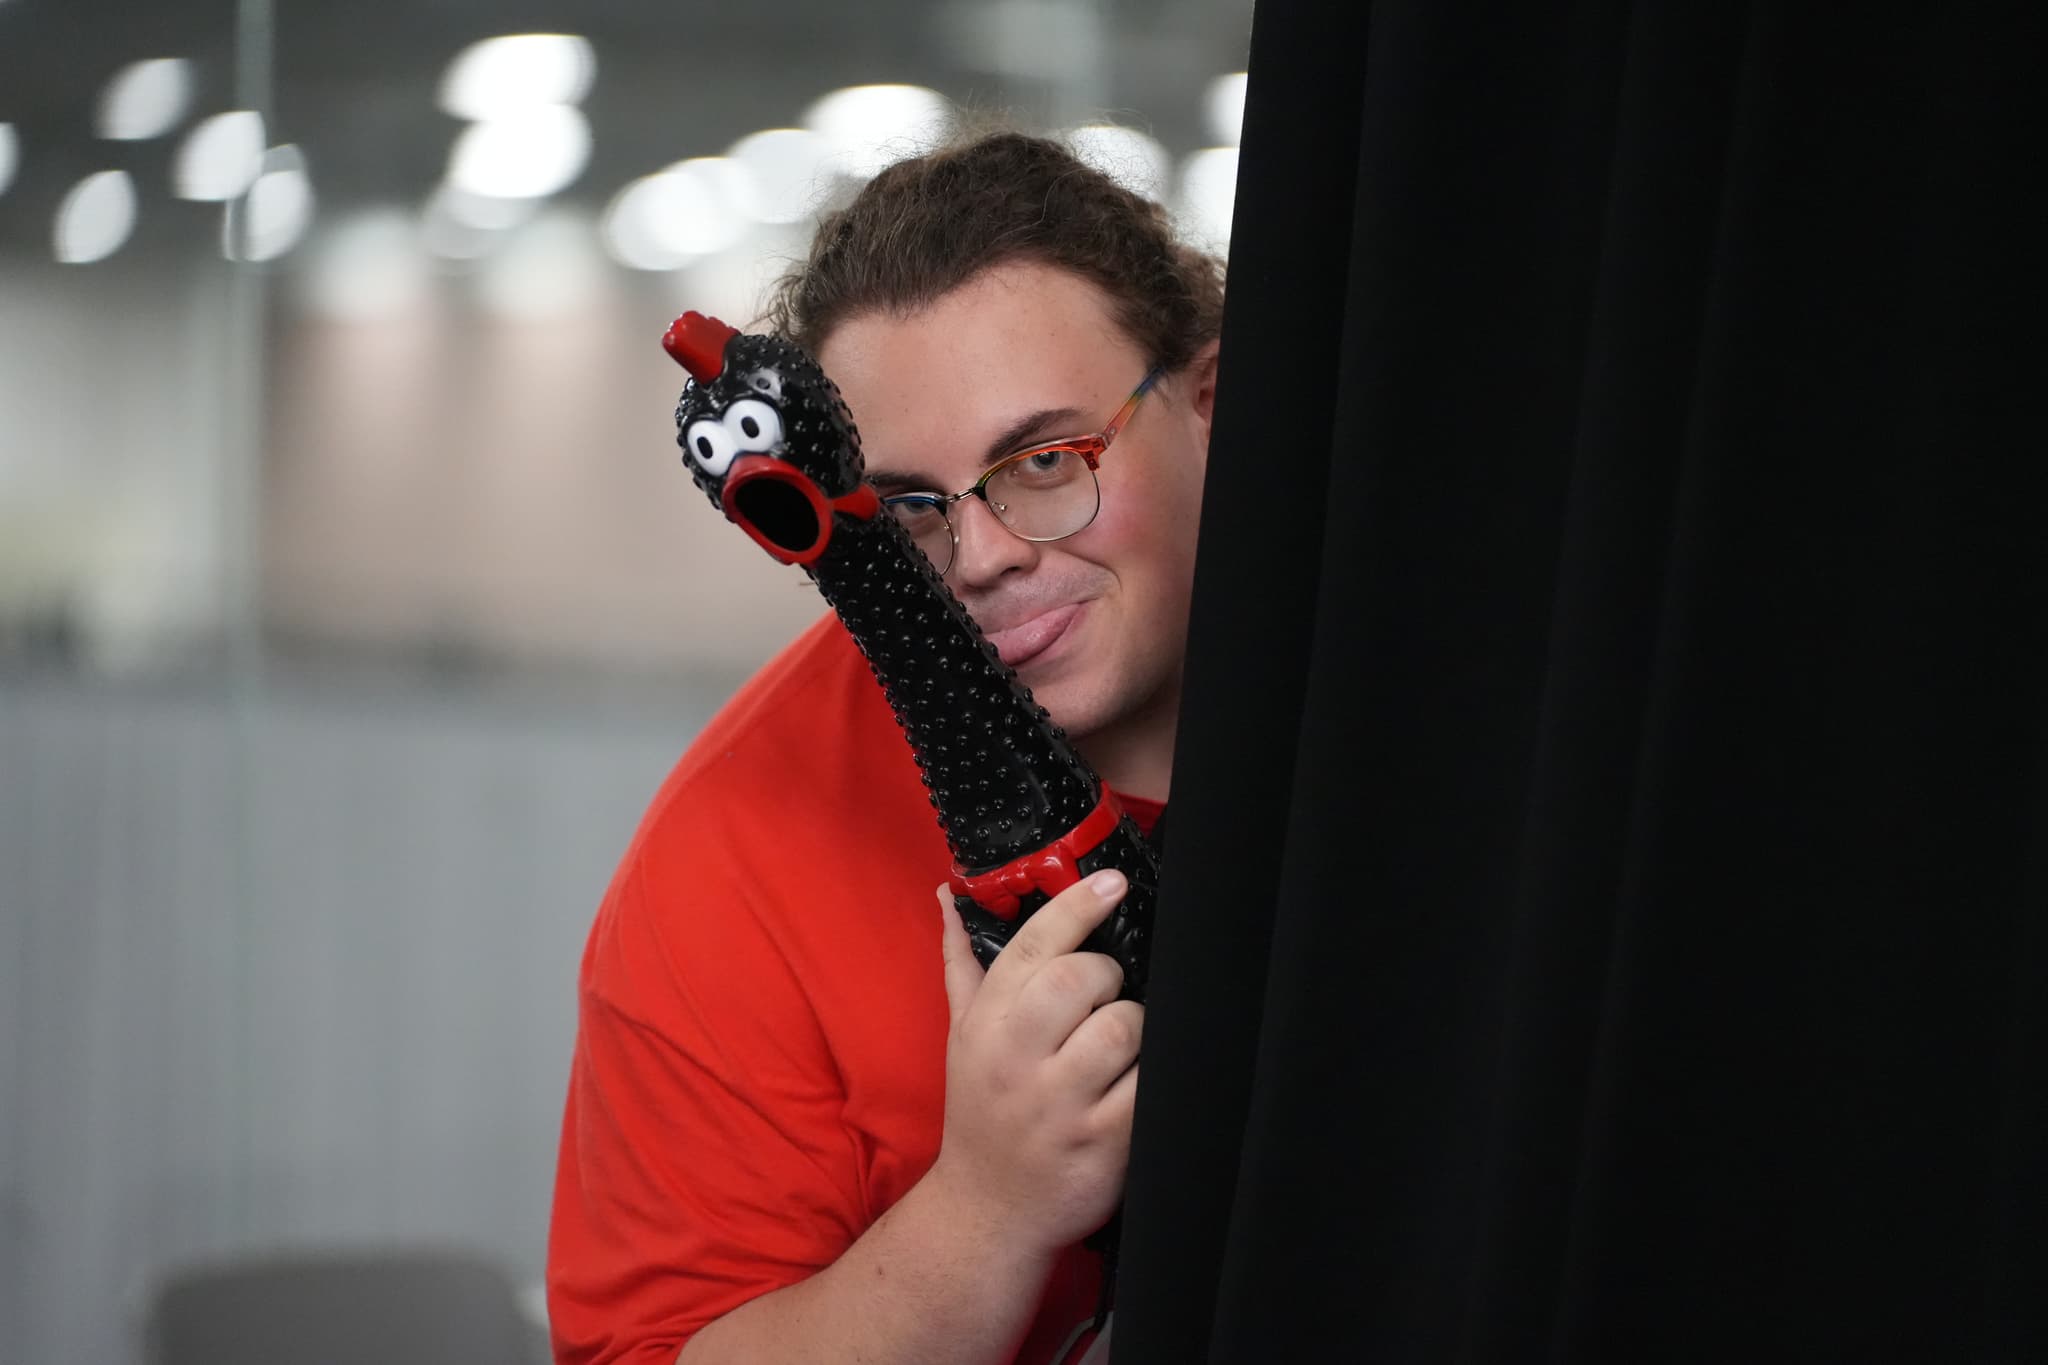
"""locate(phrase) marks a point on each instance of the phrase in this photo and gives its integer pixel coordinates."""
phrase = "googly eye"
(710, 445)
(753, 425)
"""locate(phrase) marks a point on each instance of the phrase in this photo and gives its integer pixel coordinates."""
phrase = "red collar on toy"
(1051, 869)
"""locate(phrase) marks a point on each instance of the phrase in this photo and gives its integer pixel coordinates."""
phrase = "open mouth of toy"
(785, 511)
(778, 505)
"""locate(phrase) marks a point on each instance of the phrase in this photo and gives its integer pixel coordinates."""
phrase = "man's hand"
(1041, 1074)
(1040, 1078)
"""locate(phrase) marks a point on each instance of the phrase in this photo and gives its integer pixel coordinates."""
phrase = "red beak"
(785, 512)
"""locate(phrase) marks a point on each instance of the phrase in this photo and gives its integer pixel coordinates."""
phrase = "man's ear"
(1201, 372)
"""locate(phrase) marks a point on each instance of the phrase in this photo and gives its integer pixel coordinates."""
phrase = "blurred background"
(352, 599)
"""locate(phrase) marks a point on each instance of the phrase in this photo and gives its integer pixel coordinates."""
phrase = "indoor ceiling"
(355, 86)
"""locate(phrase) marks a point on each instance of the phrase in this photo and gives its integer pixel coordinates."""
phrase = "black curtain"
(1607, 912)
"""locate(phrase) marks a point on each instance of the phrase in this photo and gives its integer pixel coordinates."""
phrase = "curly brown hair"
(925, 226)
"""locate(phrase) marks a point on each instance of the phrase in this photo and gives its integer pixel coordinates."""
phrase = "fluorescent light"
(1224, 107)
(276, 212)
(220, 158)
(501, 76)
(1125, 155)
(632, 225)
(95, 218)
(1208, 193)
(871, 126)
(692, 209)
(789, 167)
(524, 155)
(145, 99)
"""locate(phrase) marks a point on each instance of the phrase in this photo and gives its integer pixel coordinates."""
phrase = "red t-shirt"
(760, 1063)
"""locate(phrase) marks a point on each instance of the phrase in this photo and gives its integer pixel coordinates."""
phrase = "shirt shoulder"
(813, 708)
(798, 800)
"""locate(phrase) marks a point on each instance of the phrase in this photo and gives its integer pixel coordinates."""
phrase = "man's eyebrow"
(1037, 426)
(1030, 428)
(906, 481)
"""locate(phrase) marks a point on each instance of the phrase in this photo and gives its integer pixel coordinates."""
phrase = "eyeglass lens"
(1040, 495)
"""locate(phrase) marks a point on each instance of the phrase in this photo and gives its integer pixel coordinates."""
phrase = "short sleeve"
(703, 1159)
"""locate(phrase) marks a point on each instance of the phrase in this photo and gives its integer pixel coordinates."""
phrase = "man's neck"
(1135, 757)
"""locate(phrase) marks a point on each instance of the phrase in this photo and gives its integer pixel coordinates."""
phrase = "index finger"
(1057, 927)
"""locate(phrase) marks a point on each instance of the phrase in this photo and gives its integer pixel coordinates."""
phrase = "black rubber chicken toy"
(769, 438)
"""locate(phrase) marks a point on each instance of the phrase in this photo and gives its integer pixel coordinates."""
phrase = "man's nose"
(988, 549)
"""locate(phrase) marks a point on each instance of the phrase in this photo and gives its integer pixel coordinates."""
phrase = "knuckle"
(1117, 1032)
(1066, 975)
(1027, 949)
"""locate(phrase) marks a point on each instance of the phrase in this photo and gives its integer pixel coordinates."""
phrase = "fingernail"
(1106, 883)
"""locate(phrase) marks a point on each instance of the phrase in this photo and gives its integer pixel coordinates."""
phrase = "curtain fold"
(1606, 912)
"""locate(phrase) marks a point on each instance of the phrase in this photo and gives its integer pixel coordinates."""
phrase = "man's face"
(1025, 353)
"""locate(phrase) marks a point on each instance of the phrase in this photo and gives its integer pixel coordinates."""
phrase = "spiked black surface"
(1003, 779)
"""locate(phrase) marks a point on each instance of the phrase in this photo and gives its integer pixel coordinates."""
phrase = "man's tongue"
(1025, 641)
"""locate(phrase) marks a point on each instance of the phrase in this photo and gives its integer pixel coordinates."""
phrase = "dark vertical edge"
(1251, 633)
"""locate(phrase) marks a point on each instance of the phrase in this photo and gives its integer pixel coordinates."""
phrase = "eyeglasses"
(1043, 493)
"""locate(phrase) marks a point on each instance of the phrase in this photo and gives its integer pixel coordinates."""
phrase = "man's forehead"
(929, 407)
(1020, 319)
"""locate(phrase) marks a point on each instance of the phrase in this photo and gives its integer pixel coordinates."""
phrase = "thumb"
(963, 973)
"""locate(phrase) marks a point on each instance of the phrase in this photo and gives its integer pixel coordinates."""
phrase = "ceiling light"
(524, 155)
(276, 212)
(1208, 193)
(1223, 105)
(691, 209)
(632, 226)
(220, 158)
(789, 168)
(1125, 155)
(501, 76)
(870, 126)
(95, 218)
(146, 99)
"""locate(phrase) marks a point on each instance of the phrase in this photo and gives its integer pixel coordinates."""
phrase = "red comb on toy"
(698, 344)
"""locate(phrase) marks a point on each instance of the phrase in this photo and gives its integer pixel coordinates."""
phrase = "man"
(802, 1123)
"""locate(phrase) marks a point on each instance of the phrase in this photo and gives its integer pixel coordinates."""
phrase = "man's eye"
(1042, 469)
(914, 512)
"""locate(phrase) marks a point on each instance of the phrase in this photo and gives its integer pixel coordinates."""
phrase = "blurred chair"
(342, 1308)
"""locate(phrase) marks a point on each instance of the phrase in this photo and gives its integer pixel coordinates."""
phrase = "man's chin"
(1069, 701)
